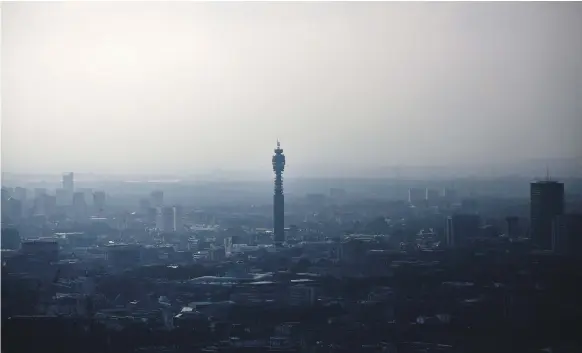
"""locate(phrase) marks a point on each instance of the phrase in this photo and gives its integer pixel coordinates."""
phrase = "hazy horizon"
(185, 87)
(526, 169)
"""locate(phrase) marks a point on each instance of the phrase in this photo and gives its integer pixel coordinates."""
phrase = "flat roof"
(259, 283)
(301, 280)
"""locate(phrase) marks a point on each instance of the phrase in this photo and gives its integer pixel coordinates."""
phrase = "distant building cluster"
(286, 275)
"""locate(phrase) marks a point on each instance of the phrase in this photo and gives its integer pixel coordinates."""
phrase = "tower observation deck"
(278, 198)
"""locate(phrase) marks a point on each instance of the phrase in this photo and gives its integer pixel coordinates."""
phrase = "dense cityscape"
(280, 176)
(335, 271)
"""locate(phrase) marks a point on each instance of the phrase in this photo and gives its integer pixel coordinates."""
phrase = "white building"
(178, 218)
(228, 246)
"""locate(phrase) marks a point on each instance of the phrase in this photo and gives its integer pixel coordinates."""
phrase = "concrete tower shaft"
(278, 198)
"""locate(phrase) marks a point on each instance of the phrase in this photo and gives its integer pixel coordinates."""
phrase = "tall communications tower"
(279, 198)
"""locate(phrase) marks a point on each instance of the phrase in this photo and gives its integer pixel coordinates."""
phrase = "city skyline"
(429, 198)
(534, 169)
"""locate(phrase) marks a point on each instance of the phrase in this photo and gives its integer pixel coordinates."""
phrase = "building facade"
(460, 228)
(165, 219)
(157, 198)
(99, 201)
(416, 196)
(567, 234)
(79, 206)
(547, 202)
(68, 182)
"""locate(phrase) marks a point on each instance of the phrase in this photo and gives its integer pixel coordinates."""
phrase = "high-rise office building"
(38, 202)
(144, 206)
(157, 198)
(12, 211)
(151, 215)
(460, 228)
(39, 192)
(49, 205)
(178, 219)
(278, 161)
(10, 239)
(547, 202)
(99, 201)
(228, 246)
(469, 205)
(567, 234)
(64, 197)
(512, 230)
(79, 199)
(19, 193)
(416, 196)
(6, 193)
(68, 182)
(88, 192)
(4, 208)
(79, 206)
(165, 219)
(432, 197)
(449, 196)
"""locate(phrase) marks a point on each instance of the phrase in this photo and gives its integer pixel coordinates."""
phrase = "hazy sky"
(184, 86)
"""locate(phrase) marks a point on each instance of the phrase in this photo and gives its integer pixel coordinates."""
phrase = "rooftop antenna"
(547, 173)
(278, 144)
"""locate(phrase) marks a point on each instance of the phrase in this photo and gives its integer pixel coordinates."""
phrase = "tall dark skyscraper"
(547, 202)
(279, 198)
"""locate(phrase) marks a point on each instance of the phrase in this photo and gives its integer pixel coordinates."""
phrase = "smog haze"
(190, 87)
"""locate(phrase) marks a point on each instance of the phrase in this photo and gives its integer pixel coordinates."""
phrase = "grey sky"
(183, 86)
